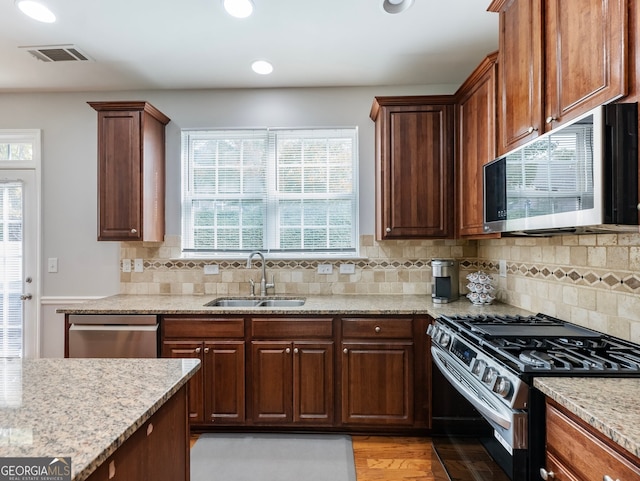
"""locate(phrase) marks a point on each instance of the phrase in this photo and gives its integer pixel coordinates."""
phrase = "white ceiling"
(194, 44)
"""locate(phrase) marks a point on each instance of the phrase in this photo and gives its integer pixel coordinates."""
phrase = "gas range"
(492, 361)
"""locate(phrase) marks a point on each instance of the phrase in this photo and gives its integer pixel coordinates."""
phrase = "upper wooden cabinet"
(131, 168)
(414, 166)
(558, 59)
(475, 142)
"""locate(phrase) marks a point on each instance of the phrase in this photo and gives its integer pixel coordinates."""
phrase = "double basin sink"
(256, 302)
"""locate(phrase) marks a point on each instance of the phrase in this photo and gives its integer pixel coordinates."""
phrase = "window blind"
(278, 190)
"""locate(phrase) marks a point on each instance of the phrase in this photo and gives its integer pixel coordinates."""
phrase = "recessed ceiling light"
(36, 10)
(239, 8)
(396, 6)
(262, 67)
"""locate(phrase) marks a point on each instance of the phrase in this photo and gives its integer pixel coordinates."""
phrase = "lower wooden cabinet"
(577, 452)
(158, 450)
(217, 390)
(313, 373)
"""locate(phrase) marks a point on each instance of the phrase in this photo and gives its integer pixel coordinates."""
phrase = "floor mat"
(272, 457)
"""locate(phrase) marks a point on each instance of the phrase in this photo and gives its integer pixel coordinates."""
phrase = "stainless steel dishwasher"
(113, 336)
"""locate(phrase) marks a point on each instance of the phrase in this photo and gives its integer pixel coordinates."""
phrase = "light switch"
(52, 264)
(211, 269)
(138, 266)
(347, 269)
(126, 265)
(325, 268)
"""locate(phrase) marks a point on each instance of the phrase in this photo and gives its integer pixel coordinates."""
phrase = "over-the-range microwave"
(580, 177)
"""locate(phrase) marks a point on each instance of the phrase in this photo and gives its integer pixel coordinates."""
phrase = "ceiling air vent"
(58, 53)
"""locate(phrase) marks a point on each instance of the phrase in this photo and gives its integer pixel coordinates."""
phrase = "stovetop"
(543, 344)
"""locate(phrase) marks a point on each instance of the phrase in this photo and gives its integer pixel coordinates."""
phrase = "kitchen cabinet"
(159, 449)
(292, 379)
(378, 371)
(576, 451)
(475, 142)
(414, 166)
(558, 59)
(217, 390)
(131, 171)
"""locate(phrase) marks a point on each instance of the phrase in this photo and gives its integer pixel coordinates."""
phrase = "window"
(289, 192)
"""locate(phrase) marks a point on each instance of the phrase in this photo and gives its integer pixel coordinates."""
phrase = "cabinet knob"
(287, 350)
(531, 129)
(197, 350)
(134, 231)
(550, 119)
(112, 469)
(206, 350)
(377, 329)
(295, 350)
(345, 350)
(149, 429)
(638, 206)
(388, 229)
(544, 474)
(606, 477)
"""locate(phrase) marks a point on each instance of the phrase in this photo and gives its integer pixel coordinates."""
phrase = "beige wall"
(591, 280)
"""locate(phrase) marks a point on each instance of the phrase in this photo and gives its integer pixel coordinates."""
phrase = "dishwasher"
(121, 336)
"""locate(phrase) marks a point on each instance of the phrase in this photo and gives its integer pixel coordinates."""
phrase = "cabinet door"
(313, 382)
(190, 349)
(272, 381)
(377, 383)
(224, 382)
(119, 175)
(585, 56)
(476, 144)
(414, 172)
(520, 73)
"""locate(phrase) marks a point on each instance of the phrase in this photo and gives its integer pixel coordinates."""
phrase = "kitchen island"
(91, 410)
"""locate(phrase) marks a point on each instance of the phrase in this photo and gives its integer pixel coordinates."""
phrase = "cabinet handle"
(550, 119)
(134, 231)
(112, 469)
(197, 350)
(206, 350)
(388, 229)
(531, 129)
(295, 350)
(345, 350)
(287, 350)
(544, 474)
(606, 477)
(377, 329)
(149, 429)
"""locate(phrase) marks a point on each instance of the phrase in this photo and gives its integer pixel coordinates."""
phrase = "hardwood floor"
(388, 458)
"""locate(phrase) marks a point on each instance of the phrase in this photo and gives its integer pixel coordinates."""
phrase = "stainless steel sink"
(258, 302)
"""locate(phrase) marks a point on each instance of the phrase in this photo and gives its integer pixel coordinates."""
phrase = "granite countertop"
(608, 404)
(81, 408)
(314, 305)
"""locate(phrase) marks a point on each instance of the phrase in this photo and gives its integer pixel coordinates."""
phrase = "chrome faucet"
(263, 282)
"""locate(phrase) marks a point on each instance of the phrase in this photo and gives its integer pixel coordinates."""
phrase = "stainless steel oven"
(492, 361)
(119, 336)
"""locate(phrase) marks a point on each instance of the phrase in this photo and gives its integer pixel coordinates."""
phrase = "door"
(191, 350)
(272, 381)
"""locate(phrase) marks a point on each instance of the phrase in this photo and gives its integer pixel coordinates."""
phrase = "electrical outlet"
(52, 265)
(503, 267)
(138, 265)
(126, 265)
(325, 268)
(347, 269)
(210, 269)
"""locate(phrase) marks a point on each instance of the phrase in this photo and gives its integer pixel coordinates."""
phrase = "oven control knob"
(431, 330)
(490, 376)
(503, 386)
(478, 368)
(444, 339)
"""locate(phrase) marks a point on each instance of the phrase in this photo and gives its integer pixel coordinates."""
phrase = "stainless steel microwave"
(580, 177)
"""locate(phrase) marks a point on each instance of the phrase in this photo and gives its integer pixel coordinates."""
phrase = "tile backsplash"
(591, 280)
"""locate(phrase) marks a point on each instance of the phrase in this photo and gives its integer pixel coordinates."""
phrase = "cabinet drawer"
(387, 328)
(583, 452)
(291, 328)
(202, 328)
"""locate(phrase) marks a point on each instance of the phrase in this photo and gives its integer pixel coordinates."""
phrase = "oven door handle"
(501, 418)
